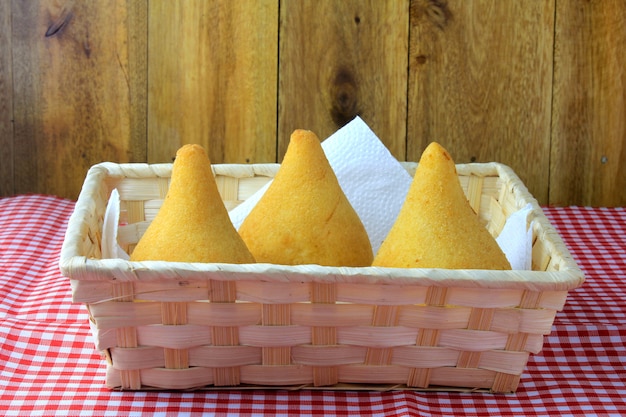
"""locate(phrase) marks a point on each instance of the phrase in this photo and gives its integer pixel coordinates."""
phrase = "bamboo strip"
(502, 298)
(150, 210)
(484, 298)
(504, 361)
(516, 342)
(324, 295)
(134, 210)
(224, 356)
(273, 292)
(474, 191)
(174, 337)
(496, 216)
(174, 314)
(462, 377)
(276, 315)
(424, 356)
(274, 336)
(541, 257)
(231, 204)
(505, 382)
(324, 335)
(178, 379)
(428, 337)
(164, 185)
(375, 294)
(171, 290)
(224, 292)
(554, 264)
(530, 299)
(280, 375)
(325, 376)
(506, 321)
(533, 343)
(249, 186)
(117, 314)
(363, 374)
(328, 355)
(507, 201)
(142, 357)
(103, 339)
(377, 337)
(515, 320)
(224, 314)
(420, 377)
(121, 306)
(331, 315)
(480, 319)
(378, 356)
(554, 300)
(437, 296)
(88, 292)
(472, 340)
(228, 187)
(114, 378)
(126, 336)
(386, 316)
(139, 189)
(128, 235)
(434, 317)
(226, 376)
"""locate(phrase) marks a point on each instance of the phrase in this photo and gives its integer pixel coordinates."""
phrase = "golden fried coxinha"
(304, 217)
(193, 224)
(436, 227)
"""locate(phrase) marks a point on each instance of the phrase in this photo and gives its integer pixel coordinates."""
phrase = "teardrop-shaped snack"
(304, 216)
(436, 227)
(193, 224)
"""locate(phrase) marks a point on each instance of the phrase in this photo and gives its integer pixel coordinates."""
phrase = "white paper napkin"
(110, 248)
(516, 239)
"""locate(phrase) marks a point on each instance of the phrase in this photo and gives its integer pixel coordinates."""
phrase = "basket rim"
(122, 270)
(75, 265)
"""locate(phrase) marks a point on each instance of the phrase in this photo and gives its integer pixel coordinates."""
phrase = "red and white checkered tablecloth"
(48, 364)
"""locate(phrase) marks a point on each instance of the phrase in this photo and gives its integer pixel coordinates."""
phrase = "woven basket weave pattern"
(166, 325)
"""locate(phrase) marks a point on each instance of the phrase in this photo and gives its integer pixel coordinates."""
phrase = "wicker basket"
(165, 325)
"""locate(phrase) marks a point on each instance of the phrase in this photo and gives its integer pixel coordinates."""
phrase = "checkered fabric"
(48, 364)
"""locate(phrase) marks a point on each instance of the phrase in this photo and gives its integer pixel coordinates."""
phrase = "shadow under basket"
(184, 326)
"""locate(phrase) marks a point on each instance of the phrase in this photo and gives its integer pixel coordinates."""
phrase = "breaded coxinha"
(193, 224)
(304, 217)
(436, 227)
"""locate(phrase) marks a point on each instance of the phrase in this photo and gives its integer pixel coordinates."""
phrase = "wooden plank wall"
(539, 85)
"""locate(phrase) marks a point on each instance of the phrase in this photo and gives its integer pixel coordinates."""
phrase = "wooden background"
(539, 85)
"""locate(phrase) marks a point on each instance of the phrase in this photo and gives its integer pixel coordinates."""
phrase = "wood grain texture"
(73, 90)
(479, 83)
(538, 85)
(6, 101)
(137, 24)
(589, 121)
(212, 79)
(343, 59)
